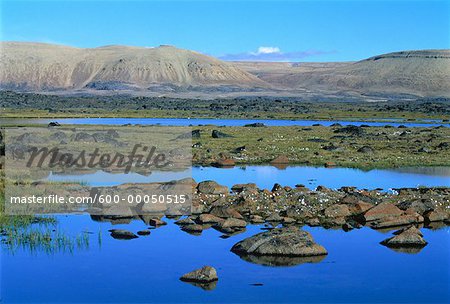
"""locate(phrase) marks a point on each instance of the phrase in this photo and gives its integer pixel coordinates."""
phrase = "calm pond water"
(266, 176)
(147, 269)
(217, 122)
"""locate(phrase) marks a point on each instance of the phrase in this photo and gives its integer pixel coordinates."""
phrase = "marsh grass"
(37, 234)
(99, 238)
(46, 238)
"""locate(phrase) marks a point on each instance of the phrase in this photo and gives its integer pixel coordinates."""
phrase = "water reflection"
(217, 122)
(121, 268)
(267, 260)
(266, 176)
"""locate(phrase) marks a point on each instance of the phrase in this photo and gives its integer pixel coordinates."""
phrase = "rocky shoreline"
(231, 210)
(346, 207)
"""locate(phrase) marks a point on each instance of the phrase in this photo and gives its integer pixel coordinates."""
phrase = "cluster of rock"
(229, 212)
(346, 207)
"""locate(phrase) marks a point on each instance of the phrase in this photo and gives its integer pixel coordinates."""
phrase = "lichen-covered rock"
(280, 160)
(397, 220)
(436, 215)
(274, 218)
(339, 210)
(122, 234)
(230, 225)
(185, 221)
(225, 162)
(156, 222)
(211, 187)
(381, 211)
(144, 232)
(192, 228)
(209, 219)
(206, 274)
(289, 241)
(410, 237)
(225, 212)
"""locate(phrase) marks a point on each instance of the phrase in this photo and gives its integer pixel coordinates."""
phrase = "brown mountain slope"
(424, 73)
(166, 69)
(41, 66)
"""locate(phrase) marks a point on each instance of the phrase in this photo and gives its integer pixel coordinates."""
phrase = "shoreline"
(425, 121)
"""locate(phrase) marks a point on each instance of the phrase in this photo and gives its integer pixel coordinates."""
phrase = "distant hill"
(423, 73)
(40, 66)
(168, 70)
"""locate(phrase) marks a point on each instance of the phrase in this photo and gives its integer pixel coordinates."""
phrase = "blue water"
(217, 122)
(147, 269)
(266, 176)
(357, 269)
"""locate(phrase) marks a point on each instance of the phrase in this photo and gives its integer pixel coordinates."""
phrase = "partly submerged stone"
(211, 187)
(397, 220)
(225, 212)
(206, 274)
(122, 234)
(195, 228)
(290, 241)
(282, 159)
(185, 221)
(208, 219)
(225, 162)
(143, 232)
(230, 225)
(156, 222)
(409, 237)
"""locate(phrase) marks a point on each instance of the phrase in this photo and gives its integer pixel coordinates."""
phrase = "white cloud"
(272, 53)
(268, 50)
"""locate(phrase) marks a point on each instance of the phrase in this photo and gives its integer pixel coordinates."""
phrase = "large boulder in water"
(290, 241)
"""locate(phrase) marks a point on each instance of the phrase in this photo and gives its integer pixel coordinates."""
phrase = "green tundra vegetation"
(354, 147)
(348, 108)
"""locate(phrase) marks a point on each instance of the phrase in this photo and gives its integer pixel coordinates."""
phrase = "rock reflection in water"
(270, 260)
(205, 286)
(408, 250)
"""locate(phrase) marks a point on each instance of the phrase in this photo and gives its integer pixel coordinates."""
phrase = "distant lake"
(266, 176)
(217, 122)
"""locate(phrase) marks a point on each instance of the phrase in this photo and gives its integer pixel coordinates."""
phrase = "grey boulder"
(206, 274)
(290, 241)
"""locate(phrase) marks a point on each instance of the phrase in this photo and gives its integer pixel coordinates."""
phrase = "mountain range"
(40, 67)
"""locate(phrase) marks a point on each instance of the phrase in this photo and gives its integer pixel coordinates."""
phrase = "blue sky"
(237, 30)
